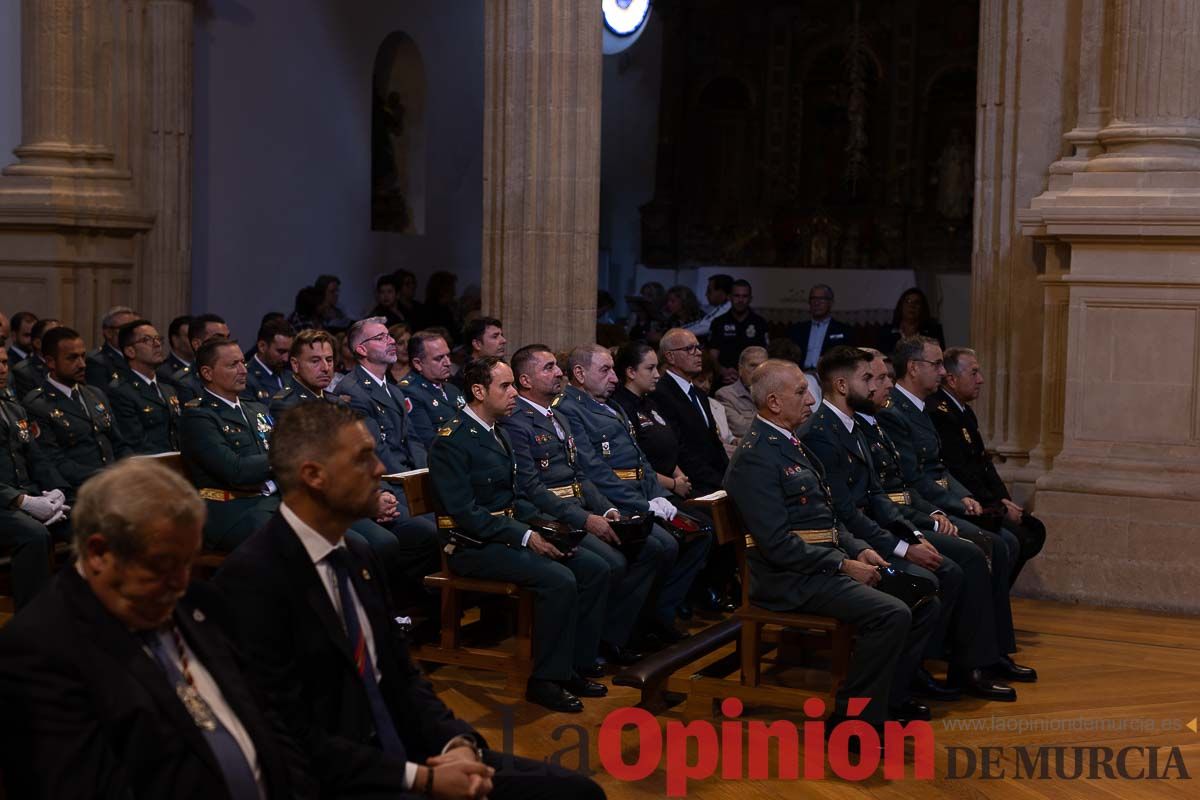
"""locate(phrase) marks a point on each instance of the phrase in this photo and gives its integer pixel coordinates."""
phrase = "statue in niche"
(387, 162)
(955, 175)
(398, 153)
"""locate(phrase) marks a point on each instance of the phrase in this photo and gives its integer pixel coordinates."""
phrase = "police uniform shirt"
(654, 435)
(730, 336)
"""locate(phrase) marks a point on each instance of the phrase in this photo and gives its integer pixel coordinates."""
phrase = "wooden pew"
(518, 664)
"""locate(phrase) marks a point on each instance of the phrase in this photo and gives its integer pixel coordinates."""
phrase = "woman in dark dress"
(636, 366)
(912, 317)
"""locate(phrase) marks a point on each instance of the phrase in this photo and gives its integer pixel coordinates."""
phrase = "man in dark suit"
(146, 409)
(967, 458)
(29, 374)
(106, 363)
(324, 646)
(821, 333)
(802, 558)
(115, 683)
(688, 411)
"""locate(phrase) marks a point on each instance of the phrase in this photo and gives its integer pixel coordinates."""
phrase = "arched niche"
(398, 144)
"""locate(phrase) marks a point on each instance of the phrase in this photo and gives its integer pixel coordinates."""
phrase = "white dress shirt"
(816, 338)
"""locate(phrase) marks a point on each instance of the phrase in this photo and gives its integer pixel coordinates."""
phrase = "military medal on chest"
(263, 424)
(23, 430)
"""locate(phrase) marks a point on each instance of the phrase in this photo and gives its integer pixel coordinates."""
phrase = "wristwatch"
(465, 740)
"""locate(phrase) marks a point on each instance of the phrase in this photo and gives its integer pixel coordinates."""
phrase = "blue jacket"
(382, 409)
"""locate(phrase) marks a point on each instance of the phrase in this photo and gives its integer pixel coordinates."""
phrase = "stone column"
(166, 178)
(1018, 132)
(1156, 99)
(541, 168)
(1120, 498)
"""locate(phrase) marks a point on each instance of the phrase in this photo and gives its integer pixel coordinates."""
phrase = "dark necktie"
(77, 396)
(385, 729)
(239, 776)
(692, 393)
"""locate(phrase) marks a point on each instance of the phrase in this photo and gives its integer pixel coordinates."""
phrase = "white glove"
(56, 496)
(59, 516)
(662, 507)
(40, 508)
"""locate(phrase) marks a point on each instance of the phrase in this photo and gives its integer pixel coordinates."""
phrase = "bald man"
(802, 558)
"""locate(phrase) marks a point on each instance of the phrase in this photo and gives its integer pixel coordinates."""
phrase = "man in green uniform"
(32, 497)
(147, 410)
(431, 399)
(267, 373)
(186, 380)
(224, 442)
(802, 558)
(29, 373)
(76, 428)
(486, 519)
(107, 363)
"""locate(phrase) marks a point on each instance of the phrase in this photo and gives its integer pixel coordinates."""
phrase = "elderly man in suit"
(117, 681)
(821, 332)
(688, 411)
(802, 557)
(323, 643)
(967, 458)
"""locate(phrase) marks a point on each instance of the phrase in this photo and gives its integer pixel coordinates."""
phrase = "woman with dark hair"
(441, 306)
(306, 313)
(681, 307)
(401, 332)
(912, 317)
(332, 318)
(406, 299)
(636, 366)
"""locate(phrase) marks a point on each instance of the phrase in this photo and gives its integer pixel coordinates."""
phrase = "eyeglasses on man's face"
(385, 336)
(694, 347)
(149, 340)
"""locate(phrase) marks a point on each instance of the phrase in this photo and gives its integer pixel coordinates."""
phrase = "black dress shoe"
(596, 669)
(976, 684)
(622, 656)
(582, 687)
(926, 686)
(549, 694)
(908, 711)
(1008, 670)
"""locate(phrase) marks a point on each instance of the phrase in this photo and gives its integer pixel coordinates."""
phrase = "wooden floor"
(1101, 670)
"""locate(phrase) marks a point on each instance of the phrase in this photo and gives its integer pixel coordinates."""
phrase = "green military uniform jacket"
(225, 448)
(294, 394)
(24, 468)
(147, 414)
(886, 459)
(474, 477)
(778, 488)
(80, 438)
(106, 366)
(187, 384)
(429, 407)
(262, 384)
(27, 375)
(920, 450)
